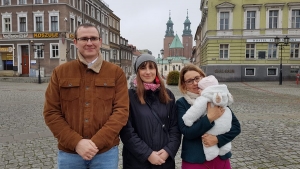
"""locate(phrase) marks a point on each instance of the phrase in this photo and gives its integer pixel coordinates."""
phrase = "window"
(54, 50)
(165, 67)
(72, 25)
(224, 51)
(72, 52)
(55, 1)
(250, 51)
(21, 2)
(98, 15)
(7, 25)
(6, 2)
(22, 24)
(92, 11)
(296, 18)
(54, 23)
(250, 72)
(272, 71)
(294, 50)
(86, 8)
(39, 24)
(79, 5)
(251, 19)
(38, 1)
(272, 50)
(38, 53)
(273, 19)
(224, 20)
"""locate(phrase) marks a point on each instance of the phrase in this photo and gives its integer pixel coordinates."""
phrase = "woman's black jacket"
(143, 132)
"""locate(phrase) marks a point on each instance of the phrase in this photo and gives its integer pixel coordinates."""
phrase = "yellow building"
(236, 39)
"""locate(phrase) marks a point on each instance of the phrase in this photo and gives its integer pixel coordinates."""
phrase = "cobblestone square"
(269, 115)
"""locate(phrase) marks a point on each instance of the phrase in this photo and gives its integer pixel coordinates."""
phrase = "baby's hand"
(200, 90)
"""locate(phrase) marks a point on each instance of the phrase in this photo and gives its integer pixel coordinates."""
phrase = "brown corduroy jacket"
(86, 103)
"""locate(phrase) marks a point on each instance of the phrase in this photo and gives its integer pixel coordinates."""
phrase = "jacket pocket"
(105, 88)
(69, 89)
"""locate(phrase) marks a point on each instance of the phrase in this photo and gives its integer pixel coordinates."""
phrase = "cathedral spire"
(169, 31)
(187, 25)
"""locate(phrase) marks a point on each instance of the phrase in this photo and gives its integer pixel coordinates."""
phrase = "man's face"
(88, 42)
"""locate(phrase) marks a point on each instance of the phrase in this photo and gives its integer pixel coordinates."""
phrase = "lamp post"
(114, 53)
(39, 49)
(281, 47)
(162, 61)
(170, 61)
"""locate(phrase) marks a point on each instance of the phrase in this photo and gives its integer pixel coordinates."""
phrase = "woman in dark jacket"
(151, 137)
(196, 136)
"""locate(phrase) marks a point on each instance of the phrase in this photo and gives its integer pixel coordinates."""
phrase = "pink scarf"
(147, 86)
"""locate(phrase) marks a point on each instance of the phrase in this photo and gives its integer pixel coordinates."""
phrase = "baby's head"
(207, 81)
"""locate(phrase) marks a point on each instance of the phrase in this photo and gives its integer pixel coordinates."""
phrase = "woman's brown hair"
(163, 95)
(189, 67)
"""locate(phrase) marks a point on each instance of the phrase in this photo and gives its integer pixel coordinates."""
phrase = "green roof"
(174, 59)
(176, 43)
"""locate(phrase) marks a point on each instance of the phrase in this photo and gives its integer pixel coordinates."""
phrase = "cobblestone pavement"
(269, 115)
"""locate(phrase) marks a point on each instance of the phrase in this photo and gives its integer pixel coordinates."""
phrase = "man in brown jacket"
(86, 106)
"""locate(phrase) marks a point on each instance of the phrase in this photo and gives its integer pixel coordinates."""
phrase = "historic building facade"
(235, 39)
(38, 34)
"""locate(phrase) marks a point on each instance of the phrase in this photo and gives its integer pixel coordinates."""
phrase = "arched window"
(179, 67)
(173, 67)
(166, 68)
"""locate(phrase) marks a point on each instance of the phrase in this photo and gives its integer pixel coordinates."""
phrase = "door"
(25, 60)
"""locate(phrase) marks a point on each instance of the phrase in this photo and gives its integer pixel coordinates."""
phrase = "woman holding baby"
(196, 136)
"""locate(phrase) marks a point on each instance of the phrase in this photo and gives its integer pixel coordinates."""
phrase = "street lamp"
(114, 53)
(170, 61)
(162, 61)
(39, 49)
(281, 47)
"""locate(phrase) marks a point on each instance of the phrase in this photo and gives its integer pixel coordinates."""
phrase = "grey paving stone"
(268, 113)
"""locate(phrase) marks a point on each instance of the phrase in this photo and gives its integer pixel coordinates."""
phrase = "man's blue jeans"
(106, 160)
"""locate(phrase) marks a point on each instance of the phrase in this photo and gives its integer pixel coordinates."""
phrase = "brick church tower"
(169, 36)
(187, 38)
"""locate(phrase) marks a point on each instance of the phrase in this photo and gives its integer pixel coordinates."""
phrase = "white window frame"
(86, 8)
(72, 26)
(6, 2)
(93, 12)
(248, 8)
(272, 7)
(5, 16)
(273, 68)
(292, 6)
(230, 18)
(53, 13)
(38, 14)
(223, 48)
(25, 2)
(22, 15)
(271, 48)
(254, 71)
(98, 15)
(79, 6)
(52, 49)
(293, 48)
(73, 51)
(37, 45)
(250, 49)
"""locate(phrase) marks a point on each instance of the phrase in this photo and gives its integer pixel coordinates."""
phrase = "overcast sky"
(143, 22)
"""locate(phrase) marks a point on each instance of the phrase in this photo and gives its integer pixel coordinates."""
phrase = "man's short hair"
(86, 25)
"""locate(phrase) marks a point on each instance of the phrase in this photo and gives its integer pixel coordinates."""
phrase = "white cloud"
(143, 23)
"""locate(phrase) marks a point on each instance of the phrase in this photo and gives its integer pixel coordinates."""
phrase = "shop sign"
(6, 49)
(15, 36)
(46, 35)
(270, 40)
